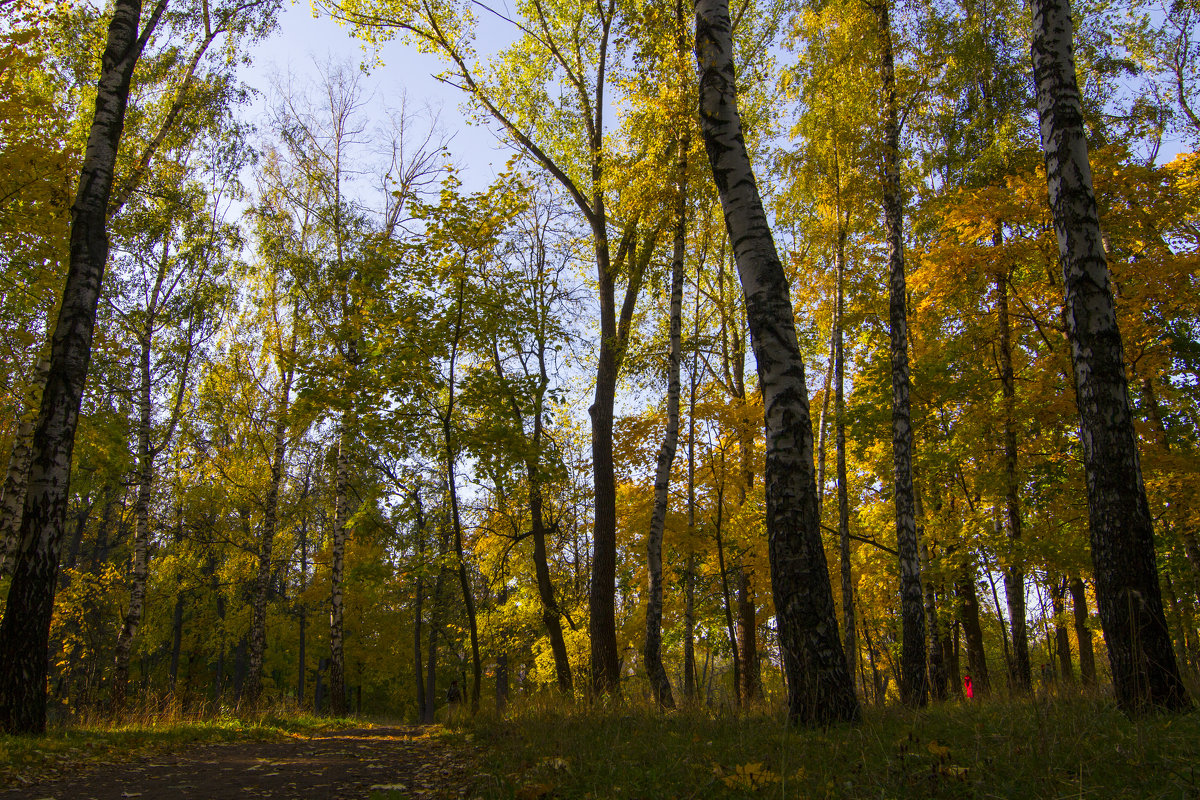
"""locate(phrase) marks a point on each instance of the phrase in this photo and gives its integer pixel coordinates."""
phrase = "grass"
(1065, 747)
(99, 740)
(1068, 747)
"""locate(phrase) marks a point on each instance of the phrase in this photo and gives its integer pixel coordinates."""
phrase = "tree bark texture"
(751, 687)
(341, 532)
(1145, 674)
(16, 476)
(820, 689)
(914, 687)
(24, 633)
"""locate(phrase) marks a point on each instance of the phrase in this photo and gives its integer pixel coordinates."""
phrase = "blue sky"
(303, 41)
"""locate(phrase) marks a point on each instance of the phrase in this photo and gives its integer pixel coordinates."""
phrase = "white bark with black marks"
(820, 689)
(24, 633)
(1145, 674)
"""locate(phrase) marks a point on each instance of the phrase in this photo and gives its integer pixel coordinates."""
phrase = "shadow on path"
(329, 766)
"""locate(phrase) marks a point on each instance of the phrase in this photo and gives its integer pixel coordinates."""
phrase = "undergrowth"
(1076, 747)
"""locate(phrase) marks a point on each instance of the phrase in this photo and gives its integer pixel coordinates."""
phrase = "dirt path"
(329, 766)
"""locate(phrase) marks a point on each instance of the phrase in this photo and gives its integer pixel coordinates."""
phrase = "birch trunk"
(1014, 576)
(141, 514)
(1145, 674)
(914, 686)
(24, 633)
(16, 476)
(660, 684)
(341, 532)
(820, 689)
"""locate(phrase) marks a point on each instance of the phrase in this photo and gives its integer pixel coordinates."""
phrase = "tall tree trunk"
(614, 335)
(551, 613)
(1144, 671)
(914, 685)
(16, 476)
(1083, 634)
(1062, 639)
(464, 583)
(822, 423)
(435, 626)
(176, 640)
(751, 686)
(820, 689)
(341, 532)
(451, 453)
(849, 643)
(301, 606)
(502, 659)
(258, 619)
(968, 616)
(25, 631)
(937, 661)
(141, 513)
(690, 687)
(1014, 576)
(419, 605)
(726, 598)
(660, 684)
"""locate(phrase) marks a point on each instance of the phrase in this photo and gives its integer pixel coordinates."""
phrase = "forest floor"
(1044, 746)
(369, 762)
(1060, 745)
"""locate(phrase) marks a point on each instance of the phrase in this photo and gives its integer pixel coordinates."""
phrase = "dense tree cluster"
(817, 354)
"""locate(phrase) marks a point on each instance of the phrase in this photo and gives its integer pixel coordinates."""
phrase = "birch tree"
(820, 689)
(25, 629)
(1140, 654)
